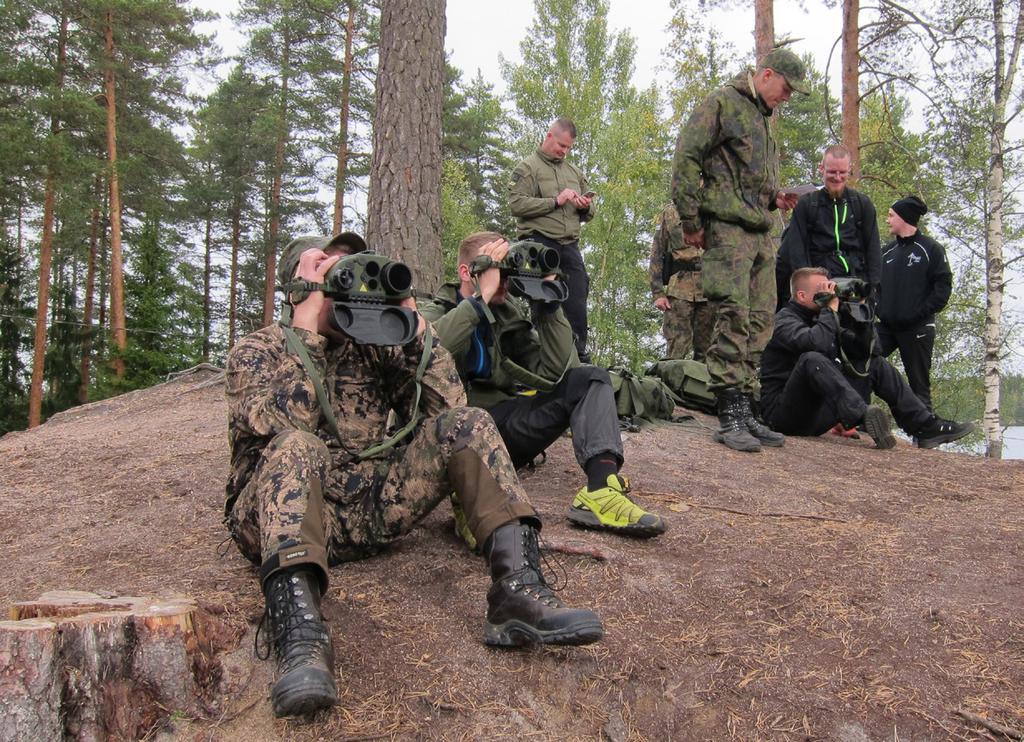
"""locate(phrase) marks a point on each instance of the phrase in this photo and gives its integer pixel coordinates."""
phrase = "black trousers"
(576, 278)
(818, 395)
(582, 401)
(915, 348)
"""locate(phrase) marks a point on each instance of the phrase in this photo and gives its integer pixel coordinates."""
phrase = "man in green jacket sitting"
(519, 363)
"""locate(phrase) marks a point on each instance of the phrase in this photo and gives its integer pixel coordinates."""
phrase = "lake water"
(1013, 442)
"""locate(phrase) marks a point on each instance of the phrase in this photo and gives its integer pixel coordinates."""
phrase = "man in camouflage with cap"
(725, 183)
(304, 492)
(689, 317)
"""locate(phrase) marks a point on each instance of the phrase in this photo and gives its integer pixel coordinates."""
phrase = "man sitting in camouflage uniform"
(519, 363)
(675, 283)
(301, 499)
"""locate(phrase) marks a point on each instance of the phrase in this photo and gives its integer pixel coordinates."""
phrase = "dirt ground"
(824, 590)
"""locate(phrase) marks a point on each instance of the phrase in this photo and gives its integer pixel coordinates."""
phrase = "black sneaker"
(940, 431)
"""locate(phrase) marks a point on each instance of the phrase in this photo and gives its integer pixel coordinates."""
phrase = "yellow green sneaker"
(608, 508)
(461, 523)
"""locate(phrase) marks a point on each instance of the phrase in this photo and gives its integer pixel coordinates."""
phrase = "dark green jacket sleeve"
(696, 139)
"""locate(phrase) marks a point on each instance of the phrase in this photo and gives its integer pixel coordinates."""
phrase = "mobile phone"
(589, 194)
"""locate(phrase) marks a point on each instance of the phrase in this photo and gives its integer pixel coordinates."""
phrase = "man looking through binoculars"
(820, 369)
(315, 481)
(517, 358)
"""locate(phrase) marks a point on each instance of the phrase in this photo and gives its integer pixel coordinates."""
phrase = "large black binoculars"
(526, 265)
(365, 287)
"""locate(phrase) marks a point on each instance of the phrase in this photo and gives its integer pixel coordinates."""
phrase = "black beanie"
(910, 209)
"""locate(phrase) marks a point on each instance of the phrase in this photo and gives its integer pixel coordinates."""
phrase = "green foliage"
(161, 312)
(802, 127)
(476, 130)
(458, 215)
(15, 319)
(632, 186)
(572, 67)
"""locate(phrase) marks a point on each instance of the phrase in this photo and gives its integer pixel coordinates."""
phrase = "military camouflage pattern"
(292, 482)
(688, 324)
(739, 279)
(726, 164)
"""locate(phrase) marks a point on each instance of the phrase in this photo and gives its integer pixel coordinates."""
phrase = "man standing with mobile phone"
(549, 198)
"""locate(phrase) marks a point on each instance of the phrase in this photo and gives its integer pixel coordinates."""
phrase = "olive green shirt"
(532, 192)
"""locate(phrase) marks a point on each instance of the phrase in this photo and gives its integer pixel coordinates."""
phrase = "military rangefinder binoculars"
(851, 288)
(365, 287)
(526, 265)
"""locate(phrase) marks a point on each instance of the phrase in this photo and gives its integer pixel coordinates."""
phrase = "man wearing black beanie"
(916, 284)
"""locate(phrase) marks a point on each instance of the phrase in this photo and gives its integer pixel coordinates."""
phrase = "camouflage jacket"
(684, 282)
(727, 162)
(269, 392)
(470, 330)
(536, 182)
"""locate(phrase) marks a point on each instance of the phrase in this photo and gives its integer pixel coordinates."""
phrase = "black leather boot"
(521, 608)
(758, 429)
(732, 420)
(305, 657)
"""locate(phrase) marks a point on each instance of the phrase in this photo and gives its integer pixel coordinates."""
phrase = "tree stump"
(78, 666)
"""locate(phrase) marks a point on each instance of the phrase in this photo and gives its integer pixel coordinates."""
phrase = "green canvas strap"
(299, 348)
(522, 375)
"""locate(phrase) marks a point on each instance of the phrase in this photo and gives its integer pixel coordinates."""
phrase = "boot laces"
(531, 579)
(295, 630)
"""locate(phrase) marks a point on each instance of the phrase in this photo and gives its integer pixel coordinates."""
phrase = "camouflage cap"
(293, 250)
(789, 65)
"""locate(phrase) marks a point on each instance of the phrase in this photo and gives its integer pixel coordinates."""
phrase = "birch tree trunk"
(405, 176)
(1005, 70)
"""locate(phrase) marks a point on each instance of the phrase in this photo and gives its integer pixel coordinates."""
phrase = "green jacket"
(545, 350)
(727, 162)
(536, 182)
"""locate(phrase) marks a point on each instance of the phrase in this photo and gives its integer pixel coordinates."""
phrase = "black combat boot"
(758, 429)
(305, 657)
(521, 608)
(732, 419)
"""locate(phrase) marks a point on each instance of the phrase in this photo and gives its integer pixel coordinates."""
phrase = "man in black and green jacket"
(519, 362)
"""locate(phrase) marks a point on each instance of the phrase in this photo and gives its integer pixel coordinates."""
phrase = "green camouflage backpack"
(688, 380)
(643, 397)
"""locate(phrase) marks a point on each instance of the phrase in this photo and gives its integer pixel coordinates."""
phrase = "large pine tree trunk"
(117, 315)
(851, 84)
(341, 175)
(275, 188)
(35, 394)
(405, 178)
(764, 27)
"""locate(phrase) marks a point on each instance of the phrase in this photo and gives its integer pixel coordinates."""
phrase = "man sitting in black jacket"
(813, 373)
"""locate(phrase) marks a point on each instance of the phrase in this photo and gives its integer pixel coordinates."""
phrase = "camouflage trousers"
(739, 279)
(298, 508)
(688, 325)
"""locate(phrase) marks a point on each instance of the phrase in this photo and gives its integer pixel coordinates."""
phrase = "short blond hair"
(469, 248)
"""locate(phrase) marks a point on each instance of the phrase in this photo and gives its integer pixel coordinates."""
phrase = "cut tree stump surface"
(78, 666)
